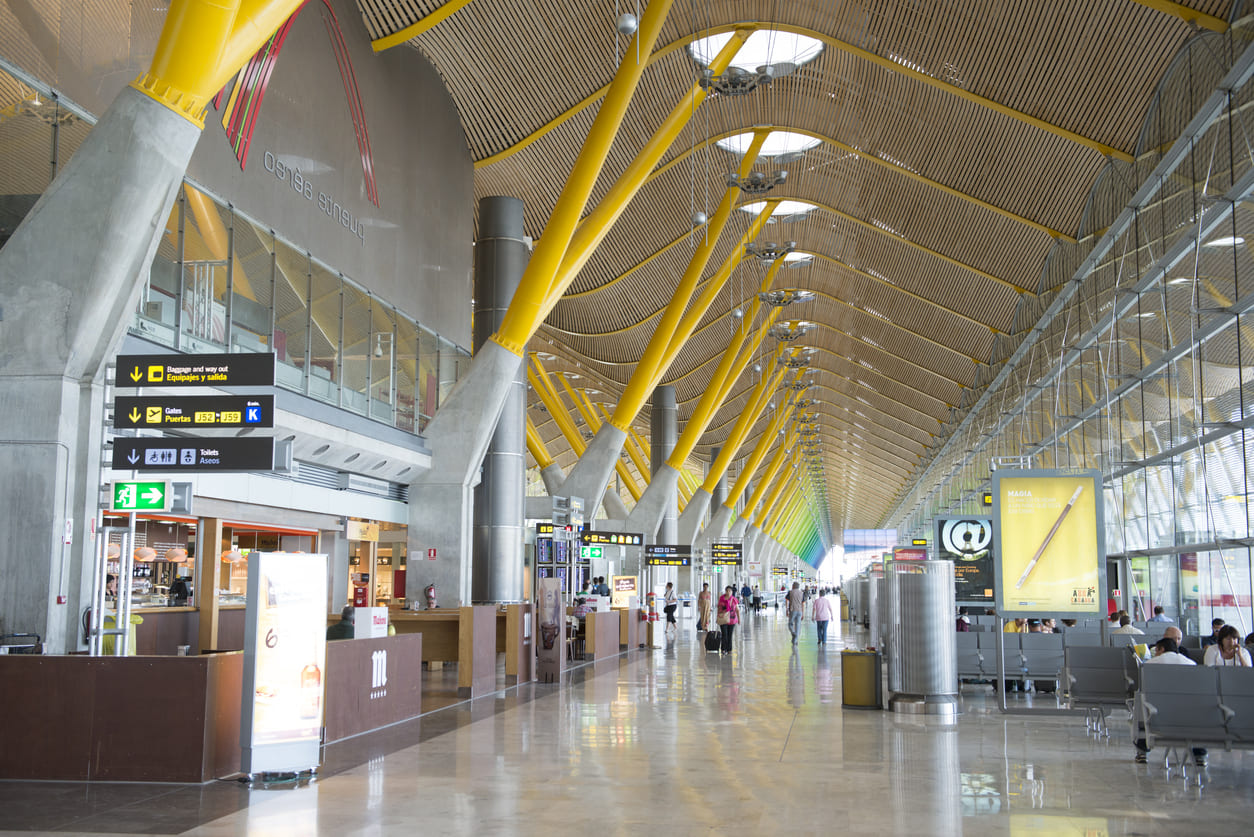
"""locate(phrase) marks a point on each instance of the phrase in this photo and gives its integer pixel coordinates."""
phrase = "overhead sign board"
(1049, 546)
(619, 538)
(918, 542)
(544, 528)
(186, 454)
(779, 571)
(587, 553)
(154, 411)
(725, 554)
(668, 555)
(218, 370)
(141, 496)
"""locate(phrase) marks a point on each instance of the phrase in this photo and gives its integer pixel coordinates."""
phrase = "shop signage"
(968, 542)
(620, 538)
(905, 553)
(243, 369)
(361, 530)
(623, 590)
(1049, 551)
(284, 662)
(587, 553)
(186, 454)
(173, 411)
(668, 555)
(145, 496)
(725, 554)
(551, 652)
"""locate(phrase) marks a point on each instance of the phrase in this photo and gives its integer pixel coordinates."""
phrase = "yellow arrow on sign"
(136, 374)
(134, 414)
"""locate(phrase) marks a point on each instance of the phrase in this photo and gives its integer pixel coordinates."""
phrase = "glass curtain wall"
(1141, 367)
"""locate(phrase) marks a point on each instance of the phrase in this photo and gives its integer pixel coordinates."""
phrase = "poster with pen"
(1050, 554)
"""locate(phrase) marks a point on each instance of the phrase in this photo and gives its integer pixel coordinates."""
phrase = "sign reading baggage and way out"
(157, 411)
(244, 369)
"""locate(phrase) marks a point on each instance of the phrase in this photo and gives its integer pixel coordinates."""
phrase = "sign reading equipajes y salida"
(243, 369)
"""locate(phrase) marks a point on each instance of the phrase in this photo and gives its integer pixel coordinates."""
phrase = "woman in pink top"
(822, 615)
(728, 617)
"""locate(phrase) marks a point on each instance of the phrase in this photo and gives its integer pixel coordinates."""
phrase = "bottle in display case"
(310, 691)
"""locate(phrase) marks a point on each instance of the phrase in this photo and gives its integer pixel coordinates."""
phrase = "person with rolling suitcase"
(728, 617)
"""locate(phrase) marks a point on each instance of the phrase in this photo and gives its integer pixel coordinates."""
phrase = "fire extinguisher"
(430, 594)
(652, 601)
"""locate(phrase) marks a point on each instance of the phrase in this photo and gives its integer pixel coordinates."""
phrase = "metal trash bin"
(860, 680)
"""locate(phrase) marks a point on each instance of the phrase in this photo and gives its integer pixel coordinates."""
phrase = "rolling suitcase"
(713, 640)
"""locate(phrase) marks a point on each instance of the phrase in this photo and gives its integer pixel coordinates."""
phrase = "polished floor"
(677, 741)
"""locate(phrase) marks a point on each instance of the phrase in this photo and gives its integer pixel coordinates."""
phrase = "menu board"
(968, 542)
(668, 555)
(623, 590)
(284, 662)
(1049, 553)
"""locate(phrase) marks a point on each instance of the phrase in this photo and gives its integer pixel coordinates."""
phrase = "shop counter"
(602, 635)
(120, 719)
(359, 700)
(629, 628)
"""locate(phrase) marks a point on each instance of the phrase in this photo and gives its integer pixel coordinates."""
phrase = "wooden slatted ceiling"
(1089, 66)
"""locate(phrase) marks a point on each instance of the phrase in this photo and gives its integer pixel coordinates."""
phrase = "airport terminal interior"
(383, 382)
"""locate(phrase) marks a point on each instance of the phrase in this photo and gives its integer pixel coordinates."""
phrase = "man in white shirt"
(1126, 627)
(796, 603)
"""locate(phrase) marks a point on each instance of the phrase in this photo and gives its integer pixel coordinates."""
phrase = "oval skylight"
(776, 143)
(781, 208)
(766, 46)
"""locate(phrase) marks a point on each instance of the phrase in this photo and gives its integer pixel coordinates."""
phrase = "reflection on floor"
(692, 743)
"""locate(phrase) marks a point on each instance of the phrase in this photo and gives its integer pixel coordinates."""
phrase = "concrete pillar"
(71, 274)
(500, 257)
(719, 494)
(664, 432)
(334, 543)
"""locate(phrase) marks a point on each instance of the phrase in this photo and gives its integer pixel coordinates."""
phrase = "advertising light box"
(284, 662)
(968, 542)
(1049, 553)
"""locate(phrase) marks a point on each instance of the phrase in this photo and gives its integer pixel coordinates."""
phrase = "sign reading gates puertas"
(284, 662)
(1050, 556)
(968, 542)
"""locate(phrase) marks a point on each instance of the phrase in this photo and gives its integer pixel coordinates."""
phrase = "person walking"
(822, 615)
(795, 601)
(672, 602)
(703, 608)
(728, 617)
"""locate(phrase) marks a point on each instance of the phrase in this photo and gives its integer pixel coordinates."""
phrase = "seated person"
(1215, 625)
(342, 629)
(1049, 626)
(963, 625)
(1126, 626)
(581, 609)
(1034, 626)
(1167, 653)
(1159, 615)
(180, 592)
(1017, 626)
(1228, 651)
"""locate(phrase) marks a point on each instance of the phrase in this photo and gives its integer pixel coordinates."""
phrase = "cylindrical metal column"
(663, 428)
(500, 257)
(923, 663)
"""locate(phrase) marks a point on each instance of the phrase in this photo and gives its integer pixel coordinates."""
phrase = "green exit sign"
(587, 553)
(141, 496)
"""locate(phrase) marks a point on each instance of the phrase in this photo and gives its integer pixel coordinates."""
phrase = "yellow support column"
(649, 367)
(786, 479)
(759, 451)
(589, 413)
(759, 399)
(772, 469)
(536, 446)
(527, 310)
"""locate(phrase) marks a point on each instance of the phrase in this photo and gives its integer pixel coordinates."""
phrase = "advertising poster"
(1049, 553)
(968, 542)
(284, 661)
(623, 590)
(552, 615)
(910, 553)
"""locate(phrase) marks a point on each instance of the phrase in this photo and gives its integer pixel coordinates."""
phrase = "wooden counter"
(164, 629)
(439, 629)
(355, 701)
(121, 719)
(602, 635)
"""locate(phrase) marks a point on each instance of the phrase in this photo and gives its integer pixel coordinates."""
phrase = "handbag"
(724, 617)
